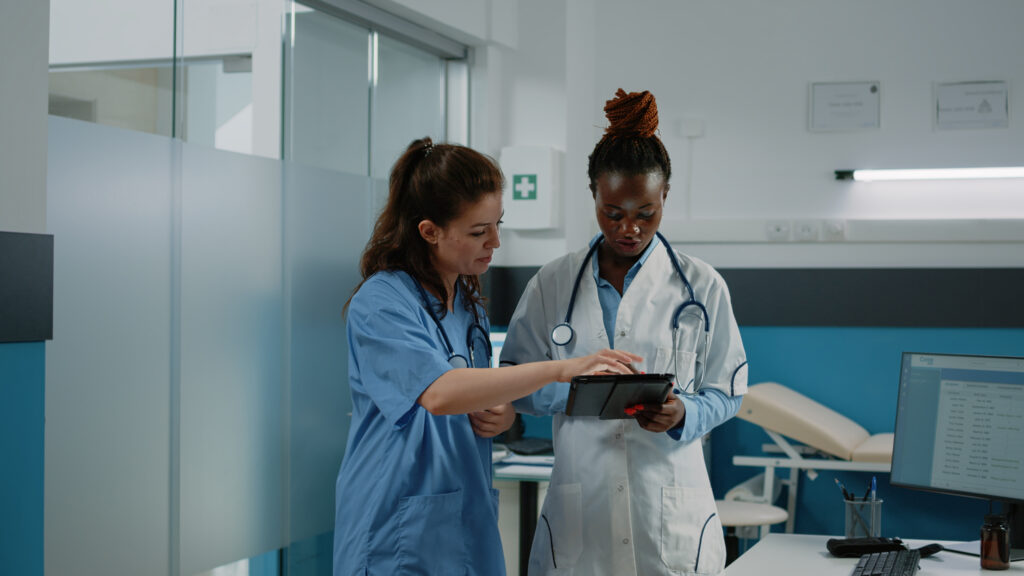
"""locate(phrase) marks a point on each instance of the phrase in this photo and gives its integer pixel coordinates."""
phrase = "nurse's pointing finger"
(619, 368)
(623, 356)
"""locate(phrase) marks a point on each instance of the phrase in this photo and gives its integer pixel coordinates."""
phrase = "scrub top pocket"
(428, 539)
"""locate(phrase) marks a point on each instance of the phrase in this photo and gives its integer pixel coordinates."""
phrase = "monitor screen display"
(960, 425)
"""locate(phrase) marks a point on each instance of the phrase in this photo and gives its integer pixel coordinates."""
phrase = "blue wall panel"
(22, 380)
(855, 371)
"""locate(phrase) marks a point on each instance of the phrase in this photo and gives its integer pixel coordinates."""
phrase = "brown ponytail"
(428, 182)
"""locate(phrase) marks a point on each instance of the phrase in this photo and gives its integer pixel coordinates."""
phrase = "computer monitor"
(960, 429)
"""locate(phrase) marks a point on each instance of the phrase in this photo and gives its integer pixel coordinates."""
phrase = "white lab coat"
(622, 500)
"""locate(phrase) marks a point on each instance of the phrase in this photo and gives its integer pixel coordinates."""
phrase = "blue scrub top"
(414, 494)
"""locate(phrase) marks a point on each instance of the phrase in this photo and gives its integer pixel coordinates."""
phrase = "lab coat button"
(625, 540)
(620, 488)
(618, 436)
(622, 333)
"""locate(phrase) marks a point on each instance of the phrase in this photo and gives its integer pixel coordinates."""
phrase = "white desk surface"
(806, 555)
(522, 472)
(508, 466)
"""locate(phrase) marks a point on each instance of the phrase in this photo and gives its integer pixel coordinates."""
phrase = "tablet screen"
(608, 395)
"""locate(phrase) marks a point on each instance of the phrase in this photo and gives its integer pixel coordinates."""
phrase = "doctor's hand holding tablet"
(657, 415)
(414, 491)
(660, 417)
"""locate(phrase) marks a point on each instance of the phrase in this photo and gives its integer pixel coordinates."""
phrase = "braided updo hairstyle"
(630, 146)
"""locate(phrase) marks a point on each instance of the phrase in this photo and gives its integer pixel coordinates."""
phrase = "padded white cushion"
(877, 448)
(780, 409)
(736, 513)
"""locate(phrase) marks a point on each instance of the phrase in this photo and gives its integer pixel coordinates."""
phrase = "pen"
(873, 487)
(846, 495)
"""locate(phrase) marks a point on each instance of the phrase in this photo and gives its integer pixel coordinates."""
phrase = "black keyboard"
(891, 563)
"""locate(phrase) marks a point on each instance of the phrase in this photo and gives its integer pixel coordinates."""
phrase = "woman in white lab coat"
(631, 496)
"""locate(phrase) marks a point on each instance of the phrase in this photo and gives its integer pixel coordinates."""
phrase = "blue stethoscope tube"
(475, 329)
(563, 333)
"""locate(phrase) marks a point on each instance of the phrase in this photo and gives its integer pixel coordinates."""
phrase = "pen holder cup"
(863, 518)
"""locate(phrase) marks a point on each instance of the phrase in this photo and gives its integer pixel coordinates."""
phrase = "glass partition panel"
(206, 71)
(228, 54)
(107, 457)
(327, 223)
(219, 104)
(408, 101)
(232, 334)
(111, 62)
(197, 396)
(136, 97)
(327, 101)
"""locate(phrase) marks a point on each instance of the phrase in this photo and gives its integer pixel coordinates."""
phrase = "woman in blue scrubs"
(414, 492)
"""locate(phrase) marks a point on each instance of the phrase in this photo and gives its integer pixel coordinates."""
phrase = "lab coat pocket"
(691, 532)
(426, 525)
(562, 520)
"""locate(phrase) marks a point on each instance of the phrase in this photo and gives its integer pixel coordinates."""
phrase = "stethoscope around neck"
(563, 333)
(474, 333)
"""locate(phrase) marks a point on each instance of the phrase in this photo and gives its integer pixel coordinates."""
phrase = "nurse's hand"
(660, 418)
(493, 421)
(606, 361)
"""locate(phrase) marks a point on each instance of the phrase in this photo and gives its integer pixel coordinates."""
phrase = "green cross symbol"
(524, 187)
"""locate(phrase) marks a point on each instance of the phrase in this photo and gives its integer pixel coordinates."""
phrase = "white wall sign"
(960, 105)
(845, 106)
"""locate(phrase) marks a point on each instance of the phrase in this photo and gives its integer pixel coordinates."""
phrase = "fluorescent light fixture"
(930, 174)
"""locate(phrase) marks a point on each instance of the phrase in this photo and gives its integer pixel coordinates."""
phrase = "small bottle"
(995, 543)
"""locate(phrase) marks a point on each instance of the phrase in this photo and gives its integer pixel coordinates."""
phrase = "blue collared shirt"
(704, 410)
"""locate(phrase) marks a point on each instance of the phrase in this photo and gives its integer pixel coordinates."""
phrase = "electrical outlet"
(778, 230)
(834, 230)
(805, 230)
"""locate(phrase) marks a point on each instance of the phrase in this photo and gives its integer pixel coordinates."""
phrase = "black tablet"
(608, 395)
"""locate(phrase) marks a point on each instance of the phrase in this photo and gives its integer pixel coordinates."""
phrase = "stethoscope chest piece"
(562, 334)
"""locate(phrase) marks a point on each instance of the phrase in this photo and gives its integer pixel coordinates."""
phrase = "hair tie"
(428, 149)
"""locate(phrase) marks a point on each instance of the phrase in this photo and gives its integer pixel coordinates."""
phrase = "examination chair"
(826, 439)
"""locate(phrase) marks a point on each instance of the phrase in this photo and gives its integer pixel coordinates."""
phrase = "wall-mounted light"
(930, 174)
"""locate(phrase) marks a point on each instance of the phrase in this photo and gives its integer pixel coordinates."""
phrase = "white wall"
(737, 75)
(747, 79)
(23, 87)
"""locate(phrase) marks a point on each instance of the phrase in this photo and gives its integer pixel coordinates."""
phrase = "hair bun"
(631, 115)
